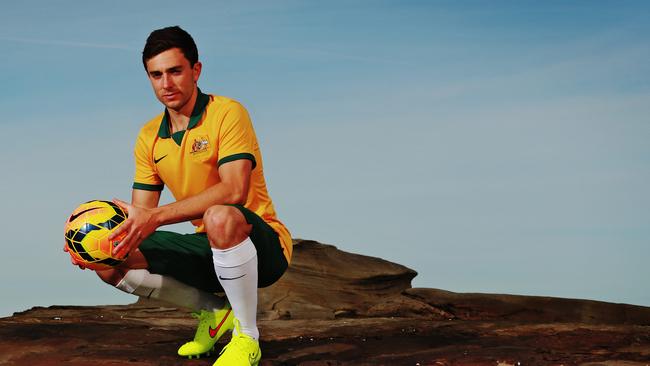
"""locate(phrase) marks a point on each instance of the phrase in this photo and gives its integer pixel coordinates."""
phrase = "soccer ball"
(87, 231)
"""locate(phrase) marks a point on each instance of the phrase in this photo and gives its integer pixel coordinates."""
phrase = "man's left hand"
(139, 225)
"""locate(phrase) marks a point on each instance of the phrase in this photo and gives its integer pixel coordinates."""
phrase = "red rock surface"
(337, 308)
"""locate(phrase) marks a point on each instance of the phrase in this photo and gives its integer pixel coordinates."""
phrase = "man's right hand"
(74, 262)
(139, 224)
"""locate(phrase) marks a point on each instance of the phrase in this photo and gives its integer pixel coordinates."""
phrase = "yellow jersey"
(187, 162)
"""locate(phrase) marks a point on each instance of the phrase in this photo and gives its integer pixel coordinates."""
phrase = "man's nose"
(167, 81)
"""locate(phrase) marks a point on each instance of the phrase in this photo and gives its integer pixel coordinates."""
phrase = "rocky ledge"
(338, 308)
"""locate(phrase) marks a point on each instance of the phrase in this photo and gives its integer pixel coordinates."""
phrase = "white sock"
(236, 269)
(154, 286)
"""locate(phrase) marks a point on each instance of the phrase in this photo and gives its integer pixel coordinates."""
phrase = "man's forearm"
(195, 206)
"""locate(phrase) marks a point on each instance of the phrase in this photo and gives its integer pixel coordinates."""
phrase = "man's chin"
(174, 105)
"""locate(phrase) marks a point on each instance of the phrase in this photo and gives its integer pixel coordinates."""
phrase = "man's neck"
(180, 119)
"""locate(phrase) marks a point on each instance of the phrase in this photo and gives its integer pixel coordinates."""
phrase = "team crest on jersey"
(200, 144)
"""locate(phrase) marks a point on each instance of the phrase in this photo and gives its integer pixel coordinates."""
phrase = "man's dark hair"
(164, 39)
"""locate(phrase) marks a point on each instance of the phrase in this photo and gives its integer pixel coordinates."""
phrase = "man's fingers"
(123, 205)
(118, 248)
(124, 246)
(74, 262)
(119, 230)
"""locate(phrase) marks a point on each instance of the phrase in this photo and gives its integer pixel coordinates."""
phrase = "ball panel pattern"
(87, 230)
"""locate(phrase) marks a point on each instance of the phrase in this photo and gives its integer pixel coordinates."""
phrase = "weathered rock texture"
(337, 308)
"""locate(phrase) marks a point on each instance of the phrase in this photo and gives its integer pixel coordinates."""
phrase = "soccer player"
(204, 149)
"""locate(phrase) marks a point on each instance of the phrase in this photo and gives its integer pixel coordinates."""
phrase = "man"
(204, 149)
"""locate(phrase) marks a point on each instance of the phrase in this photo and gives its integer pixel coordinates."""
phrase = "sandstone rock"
(324, 283)
(338, 308)
(530, 308)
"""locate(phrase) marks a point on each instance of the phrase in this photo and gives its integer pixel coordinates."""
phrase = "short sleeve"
(146, 177)
(236, 136)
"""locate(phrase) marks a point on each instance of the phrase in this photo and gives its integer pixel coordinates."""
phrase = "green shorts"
(188, 257)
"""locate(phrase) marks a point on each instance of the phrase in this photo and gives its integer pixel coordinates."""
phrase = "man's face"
(172, 78)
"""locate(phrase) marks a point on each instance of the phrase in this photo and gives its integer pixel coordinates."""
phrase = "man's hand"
(74, 262)
(139, 225)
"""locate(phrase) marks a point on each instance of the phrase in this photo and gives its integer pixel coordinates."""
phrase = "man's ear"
(197, 70)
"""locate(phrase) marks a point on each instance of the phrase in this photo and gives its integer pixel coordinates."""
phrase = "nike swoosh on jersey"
(74, 217)
(231, 278)
(159, 159)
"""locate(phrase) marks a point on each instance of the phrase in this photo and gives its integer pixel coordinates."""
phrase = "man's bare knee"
(215, 219)
(226, 226)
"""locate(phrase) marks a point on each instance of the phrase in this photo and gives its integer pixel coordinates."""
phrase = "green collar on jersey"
(201, 102)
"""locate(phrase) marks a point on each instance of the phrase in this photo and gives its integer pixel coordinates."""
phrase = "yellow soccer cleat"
(212, 325)
(242, 350)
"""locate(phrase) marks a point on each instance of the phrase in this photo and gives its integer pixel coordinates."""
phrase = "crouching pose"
(204, 149)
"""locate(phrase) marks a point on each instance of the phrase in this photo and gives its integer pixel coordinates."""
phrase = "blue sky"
(492, 146)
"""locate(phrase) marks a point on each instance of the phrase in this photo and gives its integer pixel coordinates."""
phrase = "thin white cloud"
(596, 68)
(54, 42)
(323, 52)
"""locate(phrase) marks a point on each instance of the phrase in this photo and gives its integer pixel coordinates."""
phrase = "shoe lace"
(238, 345)
(238, 342)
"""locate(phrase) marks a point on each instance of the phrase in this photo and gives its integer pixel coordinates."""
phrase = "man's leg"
(235, 263)
(213, 312)
(133, 277)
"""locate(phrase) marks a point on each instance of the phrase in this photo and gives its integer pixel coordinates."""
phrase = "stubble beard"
(176, 105)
